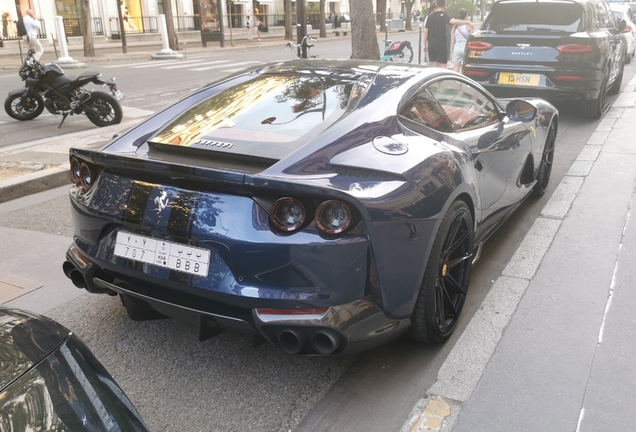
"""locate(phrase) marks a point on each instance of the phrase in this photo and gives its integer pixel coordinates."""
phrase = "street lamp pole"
(122, 30)
(301, 28)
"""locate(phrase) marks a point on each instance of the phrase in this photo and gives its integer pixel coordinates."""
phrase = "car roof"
(353, 68)
(619, 6)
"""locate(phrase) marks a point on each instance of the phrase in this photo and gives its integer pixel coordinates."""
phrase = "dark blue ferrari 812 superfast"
(324, 206)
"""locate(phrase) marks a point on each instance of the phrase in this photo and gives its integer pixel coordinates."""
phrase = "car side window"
(466, 106)
(424, 109)
(602, 18)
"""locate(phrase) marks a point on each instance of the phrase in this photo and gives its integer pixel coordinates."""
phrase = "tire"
(407, 55)
(628, 58)
(109, 110)
(593, 109)
(14, 108)
(616, 87)
(545, 166)
(445, 284)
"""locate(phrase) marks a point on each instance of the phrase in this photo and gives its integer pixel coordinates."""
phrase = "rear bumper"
(575, 84)
(347, 328)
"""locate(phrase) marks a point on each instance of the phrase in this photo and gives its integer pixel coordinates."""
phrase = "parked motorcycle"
(46, 86)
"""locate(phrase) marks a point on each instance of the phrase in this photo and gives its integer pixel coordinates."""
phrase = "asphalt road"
(224, 384)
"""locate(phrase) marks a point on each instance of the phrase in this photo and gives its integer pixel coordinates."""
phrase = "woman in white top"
(459, 36)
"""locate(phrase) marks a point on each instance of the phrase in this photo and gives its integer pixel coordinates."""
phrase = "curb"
(38, 181)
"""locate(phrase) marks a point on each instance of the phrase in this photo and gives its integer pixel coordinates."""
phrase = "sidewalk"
(553, 346)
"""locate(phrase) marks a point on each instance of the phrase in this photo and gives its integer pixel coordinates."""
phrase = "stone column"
(166, 53)
(64, 60)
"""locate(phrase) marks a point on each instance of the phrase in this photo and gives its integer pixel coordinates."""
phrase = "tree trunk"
(382, 14)
(289, 34)
(321, 21)
(408, 16)
(364, 41)
(173, 42)
(87, 28)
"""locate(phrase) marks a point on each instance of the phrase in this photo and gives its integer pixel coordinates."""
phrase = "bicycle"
(296, 49)
(400, 52)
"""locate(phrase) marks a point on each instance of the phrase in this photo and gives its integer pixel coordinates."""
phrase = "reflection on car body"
(50, 381)
(346, 211)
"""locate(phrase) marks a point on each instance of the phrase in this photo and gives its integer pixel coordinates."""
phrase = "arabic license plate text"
(519, 79)
(162, 253)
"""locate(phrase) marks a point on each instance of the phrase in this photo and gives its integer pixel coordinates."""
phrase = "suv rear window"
(535, 17)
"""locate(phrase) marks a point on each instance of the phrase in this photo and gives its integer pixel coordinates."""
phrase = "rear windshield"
(535, 17)
(276, 110)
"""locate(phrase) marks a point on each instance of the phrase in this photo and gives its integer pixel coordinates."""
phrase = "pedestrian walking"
(459, 37)
(258, 24)
(333, 20)
(250, 33)
(32, 26)
(435, 41)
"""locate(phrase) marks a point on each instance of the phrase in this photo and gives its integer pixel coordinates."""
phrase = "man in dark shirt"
(435, 41)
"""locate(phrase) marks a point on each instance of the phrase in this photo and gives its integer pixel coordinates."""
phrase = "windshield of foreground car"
(271, 109)
(535, 17)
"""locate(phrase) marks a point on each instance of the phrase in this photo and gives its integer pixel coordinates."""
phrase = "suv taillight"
(575, 49)
(479, 46)
(628, 29)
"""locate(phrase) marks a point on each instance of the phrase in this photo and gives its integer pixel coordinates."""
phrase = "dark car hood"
(25, 340)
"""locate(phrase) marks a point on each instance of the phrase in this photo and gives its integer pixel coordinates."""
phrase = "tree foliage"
(453, 7)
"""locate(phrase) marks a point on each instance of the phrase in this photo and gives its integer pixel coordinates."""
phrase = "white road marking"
(220, 66)
(159, 65)
(199, 64)
(148, 62)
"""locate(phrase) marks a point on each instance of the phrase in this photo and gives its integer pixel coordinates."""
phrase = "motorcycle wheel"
(107, 108)
(30, 109)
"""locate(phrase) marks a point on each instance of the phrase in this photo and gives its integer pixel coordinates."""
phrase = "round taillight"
(628, 29)
(288, 214)
(333, 217)
(76, 172)
(479, 46)
(86, 176)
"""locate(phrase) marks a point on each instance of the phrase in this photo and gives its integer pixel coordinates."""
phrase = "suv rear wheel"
(593, 108)
(616, 87)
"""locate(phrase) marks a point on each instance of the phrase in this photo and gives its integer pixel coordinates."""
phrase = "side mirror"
(520, 110)
(621, 25)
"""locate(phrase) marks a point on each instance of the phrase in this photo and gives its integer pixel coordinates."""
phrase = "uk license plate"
(519, 79)
(162, 253)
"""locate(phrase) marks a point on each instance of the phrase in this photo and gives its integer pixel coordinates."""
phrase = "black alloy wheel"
(446, 278)
(616, 87)
(103, 109)
(594, 108)
(545, 166)
(24, 108)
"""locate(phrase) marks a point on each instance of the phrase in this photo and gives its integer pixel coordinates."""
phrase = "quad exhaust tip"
(76, 277)
(322, 342)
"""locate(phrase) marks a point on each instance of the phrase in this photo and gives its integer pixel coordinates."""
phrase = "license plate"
(119, 95)
(162, 253)
(519, 79)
